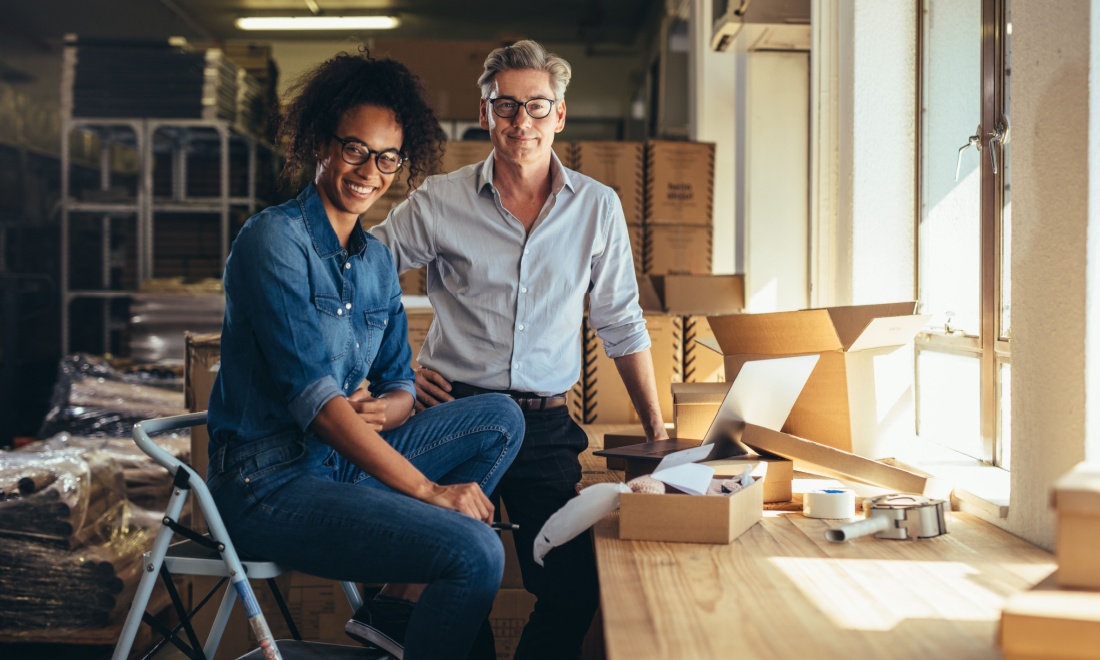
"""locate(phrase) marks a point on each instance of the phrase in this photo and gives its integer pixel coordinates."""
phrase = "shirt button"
(339, 312)
(347, 305)
(356, 345)
(523, 290)
(526, 251)
(521, 326)
(345, 384)
(347, 265)
(515, 365)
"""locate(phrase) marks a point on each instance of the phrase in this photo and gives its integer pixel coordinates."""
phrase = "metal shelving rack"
(148, 137)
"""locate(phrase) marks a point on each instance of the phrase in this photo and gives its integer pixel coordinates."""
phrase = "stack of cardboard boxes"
(1059, 618)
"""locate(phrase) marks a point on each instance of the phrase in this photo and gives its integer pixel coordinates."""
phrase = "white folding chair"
(212, 554)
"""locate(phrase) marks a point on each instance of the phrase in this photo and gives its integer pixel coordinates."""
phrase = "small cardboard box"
(566, 152)
(619, 165)
(690, 518)
(679, 183)
(694, 407)
(860, 396)
(684, 295)
(678, 250)
(1077, 500)
(414, 282)
(1050, 623)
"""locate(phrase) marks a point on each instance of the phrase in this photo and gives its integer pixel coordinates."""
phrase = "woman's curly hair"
(318, 100)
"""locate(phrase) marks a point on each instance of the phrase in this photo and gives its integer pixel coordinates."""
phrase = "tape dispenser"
(895, 516)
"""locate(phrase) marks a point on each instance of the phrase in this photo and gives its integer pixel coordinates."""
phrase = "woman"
(308, 469)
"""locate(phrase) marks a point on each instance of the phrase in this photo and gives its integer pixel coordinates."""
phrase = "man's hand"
(432, 389)
(464, 498)
(370, 410)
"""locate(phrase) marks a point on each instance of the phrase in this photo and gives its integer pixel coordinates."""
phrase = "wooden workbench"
(782, 591)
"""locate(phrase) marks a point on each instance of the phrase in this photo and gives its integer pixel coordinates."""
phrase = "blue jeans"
(291, 499)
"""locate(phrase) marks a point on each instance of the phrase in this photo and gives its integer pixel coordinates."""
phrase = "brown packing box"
(679, 183)
(690, 518)
(678, 250)
(1051, 623)
(701, 364)
(510, 611)
(614, 441)
(567, 153)
(394, 195)
(318, 606)
(683, 295)
(202, 359)
(460, 153)
(859, 397)
(694, 407)
(637, 247)
(448, 68)
(619, 165)
(414, 282)
(810, 456)
(1077, 543)
(605, 399)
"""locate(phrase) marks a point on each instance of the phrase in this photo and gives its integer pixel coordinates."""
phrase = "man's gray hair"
(526, 54)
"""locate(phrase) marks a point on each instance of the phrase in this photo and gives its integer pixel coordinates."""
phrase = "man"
(512, 247)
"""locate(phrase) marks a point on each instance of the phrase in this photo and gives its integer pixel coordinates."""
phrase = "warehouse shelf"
(159, 143)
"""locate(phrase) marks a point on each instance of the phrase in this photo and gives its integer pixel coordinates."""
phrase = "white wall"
(712, 118)
(1092, 302)
(872, 249)
(1050, 214)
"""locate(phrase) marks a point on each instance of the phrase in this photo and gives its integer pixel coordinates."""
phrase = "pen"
(511, 527)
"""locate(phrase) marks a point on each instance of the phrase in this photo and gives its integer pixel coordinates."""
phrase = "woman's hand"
(370, 410)
(432, 389)
(464, 498)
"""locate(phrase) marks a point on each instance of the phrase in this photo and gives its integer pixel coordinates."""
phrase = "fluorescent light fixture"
(317, 23)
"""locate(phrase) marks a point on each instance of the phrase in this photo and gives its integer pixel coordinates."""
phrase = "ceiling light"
(317, 23)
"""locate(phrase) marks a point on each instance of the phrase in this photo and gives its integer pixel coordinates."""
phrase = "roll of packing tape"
(829, 503)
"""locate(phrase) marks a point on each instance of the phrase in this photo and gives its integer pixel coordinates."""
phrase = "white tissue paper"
(577, 515)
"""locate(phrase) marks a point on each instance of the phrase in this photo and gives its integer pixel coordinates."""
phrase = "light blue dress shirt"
(508, 304)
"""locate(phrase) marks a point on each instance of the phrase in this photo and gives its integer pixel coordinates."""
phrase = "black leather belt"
(527, 401)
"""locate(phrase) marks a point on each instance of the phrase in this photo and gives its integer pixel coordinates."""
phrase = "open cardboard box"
(860, 395)
(692, 518)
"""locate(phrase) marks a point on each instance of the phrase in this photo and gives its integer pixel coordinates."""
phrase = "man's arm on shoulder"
(636, 371)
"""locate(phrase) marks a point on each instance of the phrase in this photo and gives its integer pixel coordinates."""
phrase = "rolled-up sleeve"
(614, 312)
(267, 277)
(408, 232)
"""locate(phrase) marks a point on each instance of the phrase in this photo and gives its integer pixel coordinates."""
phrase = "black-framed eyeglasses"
(506, 108)
(354, 152)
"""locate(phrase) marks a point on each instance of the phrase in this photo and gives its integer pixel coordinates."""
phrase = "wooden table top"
(782, 591)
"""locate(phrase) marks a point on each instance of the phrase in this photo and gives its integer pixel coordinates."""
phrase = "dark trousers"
(540, 481)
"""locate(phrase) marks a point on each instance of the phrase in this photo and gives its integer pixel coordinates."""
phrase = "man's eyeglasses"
(507, 108)
(354, 152)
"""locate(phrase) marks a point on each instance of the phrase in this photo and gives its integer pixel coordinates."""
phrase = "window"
(963, 358)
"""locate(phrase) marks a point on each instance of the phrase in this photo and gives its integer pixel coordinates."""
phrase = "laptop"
(763, 394)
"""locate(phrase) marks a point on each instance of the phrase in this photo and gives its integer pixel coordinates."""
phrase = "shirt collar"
(320, 229)
(559, 175)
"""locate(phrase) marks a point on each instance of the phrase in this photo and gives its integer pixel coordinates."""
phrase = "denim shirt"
(305, 321)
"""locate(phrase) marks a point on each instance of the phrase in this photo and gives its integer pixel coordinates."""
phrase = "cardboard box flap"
(1079, 490)
(687, 295)
(779, 333)
(851, 322)
(890, 331)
